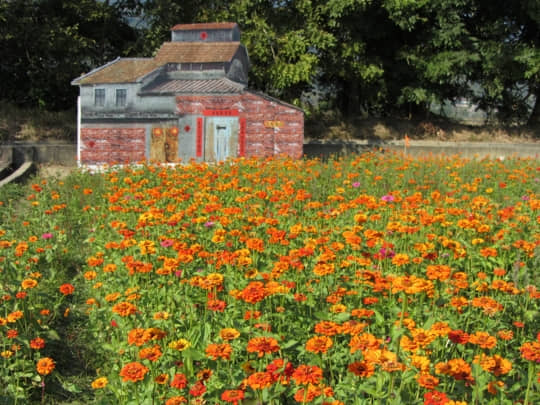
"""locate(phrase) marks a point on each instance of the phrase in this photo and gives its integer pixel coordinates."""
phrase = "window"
(121, 97)
(99, 97)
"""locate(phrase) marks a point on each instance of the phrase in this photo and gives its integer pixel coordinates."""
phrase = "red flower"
(37, 343)
(197, 389)
(435, 398)
(458, 336)
(67, 289)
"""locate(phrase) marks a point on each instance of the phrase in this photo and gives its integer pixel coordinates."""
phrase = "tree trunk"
(534, 118)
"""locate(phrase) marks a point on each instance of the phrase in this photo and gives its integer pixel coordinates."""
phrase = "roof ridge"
(95, 70)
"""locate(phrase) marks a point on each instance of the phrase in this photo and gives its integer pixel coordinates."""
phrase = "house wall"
(113, 144)
(261, 139)
(134, 104)
(210, 35)
(268, 128)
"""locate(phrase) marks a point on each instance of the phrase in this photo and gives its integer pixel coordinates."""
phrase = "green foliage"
(368, 57)
(47, 43)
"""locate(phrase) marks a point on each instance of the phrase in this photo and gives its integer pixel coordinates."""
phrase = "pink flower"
(47, 235)
(388, 198)
(166, 243)
(356, 184)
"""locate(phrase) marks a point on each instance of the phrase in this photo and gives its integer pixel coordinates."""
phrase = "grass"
(24, 124)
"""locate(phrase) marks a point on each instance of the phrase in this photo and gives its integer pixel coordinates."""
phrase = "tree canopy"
(371, 57)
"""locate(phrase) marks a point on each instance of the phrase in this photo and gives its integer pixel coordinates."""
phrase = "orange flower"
(100, 383)
(229, 333)
(259, 380)
(362, 369)
(219, 351)
(161, 379)
(45, 366)
(319, 344)
(133, 372)
(457, 368)
(255, 244)
(176, 400)
(15, 316)
(488, 252)
(327, 328)
(136, 337)
(12, 334)
(232, 396)
(306, 397)
(495, 364)
(306, 374)
(28, 283)
(124, 308)
(400, 259)
(254, 292)
(483, 339)
(37, 343)
(67, 289)
(531, 351)
(150, 353)
(363, 342)
(422, 337)
(262, 345)
(439, 272)
(179, 381)
(505, 334)
(494, 386)
(426, 380)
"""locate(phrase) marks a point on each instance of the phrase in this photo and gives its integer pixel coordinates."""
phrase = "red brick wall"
(256, 109)
(112, 145)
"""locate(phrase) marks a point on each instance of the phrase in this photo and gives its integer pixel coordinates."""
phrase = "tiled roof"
(203, 26)
(126, 70)
(199, 86)
(196, 52)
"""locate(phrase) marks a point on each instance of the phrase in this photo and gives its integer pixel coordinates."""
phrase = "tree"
(47, 43)
(509, 47)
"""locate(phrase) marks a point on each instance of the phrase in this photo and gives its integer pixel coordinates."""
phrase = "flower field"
(371, 279)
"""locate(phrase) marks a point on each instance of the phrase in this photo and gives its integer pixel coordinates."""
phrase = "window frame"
(99, 97)
(122, 98)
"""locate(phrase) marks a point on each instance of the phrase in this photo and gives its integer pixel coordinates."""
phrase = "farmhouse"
(191, 101)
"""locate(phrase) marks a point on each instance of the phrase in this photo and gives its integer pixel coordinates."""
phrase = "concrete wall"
(471, 150)
(65, 154)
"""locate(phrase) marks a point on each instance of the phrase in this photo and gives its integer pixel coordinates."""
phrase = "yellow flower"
(180, 344)
(99, 383)
(6, 354)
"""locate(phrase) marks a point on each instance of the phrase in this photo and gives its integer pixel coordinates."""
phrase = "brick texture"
(112, 145)
(260, 140)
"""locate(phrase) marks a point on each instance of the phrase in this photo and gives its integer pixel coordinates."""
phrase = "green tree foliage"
(47, 43)
(372, 57)
(508, 42)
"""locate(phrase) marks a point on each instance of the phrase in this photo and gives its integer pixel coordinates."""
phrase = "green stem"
(529, 382)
